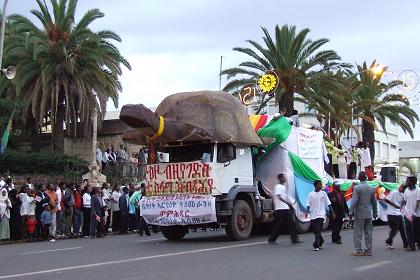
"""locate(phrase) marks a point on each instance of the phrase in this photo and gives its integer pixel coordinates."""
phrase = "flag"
(5, 138)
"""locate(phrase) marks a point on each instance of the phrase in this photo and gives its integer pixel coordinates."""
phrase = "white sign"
(309, 143)
(178, 209)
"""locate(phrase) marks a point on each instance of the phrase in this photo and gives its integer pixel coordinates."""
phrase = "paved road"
(204, 256)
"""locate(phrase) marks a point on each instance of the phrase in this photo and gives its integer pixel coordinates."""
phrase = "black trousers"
(317, 229)
(396, 224)
(45, 231)
(336, 226)
(328, 166)
(335, 170)
(283, 218)
(115, 221)
(413, 231)
(123, 221)
(86, 221)
(351, 174)
(132, 222)
(144, 227)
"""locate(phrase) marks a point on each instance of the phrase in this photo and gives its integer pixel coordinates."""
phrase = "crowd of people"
(135, 162)
(345, 164)
(36, 212)
(403, 213)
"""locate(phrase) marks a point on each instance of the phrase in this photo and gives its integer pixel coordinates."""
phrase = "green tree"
(64, 69)
(374, 101)
(298, 61)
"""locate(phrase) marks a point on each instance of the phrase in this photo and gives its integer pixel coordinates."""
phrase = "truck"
(208, 167)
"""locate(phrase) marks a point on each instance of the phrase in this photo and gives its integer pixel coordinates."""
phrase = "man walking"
(395, 219)
(339, 209)
(363, 204)
(412, 213)
(316, 204)
(283, 211)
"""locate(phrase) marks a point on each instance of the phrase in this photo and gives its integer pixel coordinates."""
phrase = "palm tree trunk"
(58, 130)
(286, 101)
(368, 136)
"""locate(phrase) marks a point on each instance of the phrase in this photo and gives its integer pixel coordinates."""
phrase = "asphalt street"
(205, 256)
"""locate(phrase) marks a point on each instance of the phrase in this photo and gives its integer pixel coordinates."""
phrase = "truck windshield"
(187, 153)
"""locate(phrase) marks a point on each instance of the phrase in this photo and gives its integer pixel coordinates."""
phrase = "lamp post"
(3, 27)
(9, 72)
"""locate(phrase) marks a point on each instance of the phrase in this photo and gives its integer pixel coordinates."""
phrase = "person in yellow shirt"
(329, 146)
(335, 152)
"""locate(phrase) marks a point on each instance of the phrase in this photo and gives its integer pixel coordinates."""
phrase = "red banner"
(169, 178)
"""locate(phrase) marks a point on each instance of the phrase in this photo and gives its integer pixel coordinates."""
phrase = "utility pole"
(220, 73)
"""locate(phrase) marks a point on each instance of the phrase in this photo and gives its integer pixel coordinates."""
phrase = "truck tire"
(239, 226)
(173, 232)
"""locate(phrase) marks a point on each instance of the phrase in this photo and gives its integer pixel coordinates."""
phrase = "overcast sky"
(175, 45)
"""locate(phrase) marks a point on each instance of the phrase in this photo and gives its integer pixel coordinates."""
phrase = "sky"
(176, 45)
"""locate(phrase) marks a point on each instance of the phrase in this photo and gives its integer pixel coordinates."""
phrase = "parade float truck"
(212, 165)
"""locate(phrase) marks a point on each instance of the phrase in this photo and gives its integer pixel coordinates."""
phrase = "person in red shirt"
(77, 213)
(31, 228)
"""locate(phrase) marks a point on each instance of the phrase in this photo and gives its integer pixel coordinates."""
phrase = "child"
(31, 228)
(316, 203)
(45, 222)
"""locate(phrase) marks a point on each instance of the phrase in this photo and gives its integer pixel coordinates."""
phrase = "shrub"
(45, 163)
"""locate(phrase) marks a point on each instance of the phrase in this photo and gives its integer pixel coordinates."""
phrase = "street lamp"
(9, 72)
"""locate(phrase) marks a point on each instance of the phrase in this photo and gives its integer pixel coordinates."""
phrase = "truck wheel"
(173, 232)
(240, 223)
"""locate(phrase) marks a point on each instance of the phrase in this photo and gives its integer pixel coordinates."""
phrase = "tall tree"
(295, 58)
(375, 102)
(64, 69)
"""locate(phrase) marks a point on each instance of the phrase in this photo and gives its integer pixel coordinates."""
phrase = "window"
(225, 152)
(385, 150)
(377, 148)
(188, 153)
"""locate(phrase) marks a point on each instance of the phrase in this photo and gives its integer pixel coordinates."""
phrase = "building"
(410, 158)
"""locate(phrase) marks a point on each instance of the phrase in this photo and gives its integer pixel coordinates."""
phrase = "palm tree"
(295, 58)
(375, 102)
(332, 105)
(64, 69)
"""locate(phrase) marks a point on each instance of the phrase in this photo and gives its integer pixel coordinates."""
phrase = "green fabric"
(135, 198)
(302, 169)
(374, 184)
(5, 138)
(278, 129)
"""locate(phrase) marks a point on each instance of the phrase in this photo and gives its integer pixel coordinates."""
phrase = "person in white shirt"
(395, 221)
(60, 215)
(316, 204)
(283, 211)
(25, 207)
(86, 210)
(412, 212)
(115, 197)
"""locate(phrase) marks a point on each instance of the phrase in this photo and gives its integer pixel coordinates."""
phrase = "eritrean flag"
(5, 138)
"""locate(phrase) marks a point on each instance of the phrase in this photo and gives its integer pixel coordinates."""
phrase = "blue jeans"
(77, 220)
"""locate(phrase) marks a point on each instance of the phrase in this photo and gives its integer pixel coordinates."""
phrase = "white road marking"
(58, 270)
(145, 240)
(52, 250)
(371, 266)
